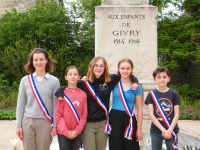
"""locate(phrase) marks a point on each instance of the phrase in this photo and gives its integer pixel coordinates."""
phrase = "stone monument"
(19, 5)
(128, 29)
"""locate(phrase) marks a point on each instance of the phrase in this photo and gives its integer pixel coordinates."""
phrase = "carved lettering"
(134, 41)
(132, 16)
(122, 33)
(118, 41)
(125, 24)
(126, 17)
(113, 17)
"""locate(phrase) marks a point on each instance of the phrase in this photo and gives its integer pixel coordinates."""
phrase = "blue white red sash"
(164, 117)
(39, 99)
(107, 127)
(129, 130)
(73, 109)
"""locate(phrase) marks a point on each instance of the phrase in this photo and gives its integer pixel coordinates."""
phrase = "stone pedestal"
(128, 29)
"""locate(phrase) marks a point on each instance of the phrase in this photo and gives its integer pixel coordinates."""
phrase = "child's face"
(125, 69)
(98, 68)
(39, 61)
(162, 79)
(72, 76)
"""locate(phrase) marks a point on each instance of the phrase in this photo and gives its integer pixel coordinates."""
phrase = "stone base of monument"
(146, 125)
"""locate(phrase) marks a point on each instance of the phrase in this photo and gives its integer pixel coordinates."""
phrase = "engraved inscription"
(126, 33)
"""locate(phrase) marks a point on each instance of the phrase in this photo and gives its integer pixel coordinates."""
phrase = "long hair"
(90, 73)
(29, 68)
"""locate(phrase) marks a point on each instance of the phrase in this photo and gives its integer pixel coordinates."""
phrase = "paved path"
(190, 130)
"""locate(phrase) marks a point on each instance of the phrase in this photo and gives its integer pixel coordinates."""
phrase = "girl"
(71, 112)
(36, 102)
(98, 89)
(125, 134)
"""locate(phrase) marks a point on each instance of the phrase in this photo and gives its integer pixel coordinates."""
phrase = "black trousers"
(69, 144)
(119, 121)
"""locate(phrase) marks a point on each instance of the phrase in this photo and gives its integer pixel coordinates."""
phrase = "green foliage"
(190, 102)
(65, 58)
(189, 147)
(8, 101)
(45, 25)
(178, 41)
(186, 91)
(189, 113)
(191, 7)
(176, 50)
(41, 24)
(8, 94)
(15, 57)
(189, 109)
(7, 114)
(161, 4)
(48, 26)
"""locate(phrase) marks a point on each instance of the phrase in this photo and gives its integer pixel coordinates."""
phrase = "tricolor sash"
(39, 99)
(164, 117)
(107, 127)
(73, 109)
(129, 130)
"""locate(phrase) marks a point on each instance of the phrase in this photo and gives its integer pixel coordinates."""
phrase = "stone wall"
(20, 5)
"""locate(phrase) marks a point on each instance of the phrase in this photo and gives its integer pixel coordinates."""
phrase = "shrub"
(7, 115)
(189, 109)
(186, 90)
(190, 113)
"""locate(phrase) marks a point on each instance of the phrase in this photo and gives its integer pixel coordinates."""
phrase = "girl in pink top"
(71, 112)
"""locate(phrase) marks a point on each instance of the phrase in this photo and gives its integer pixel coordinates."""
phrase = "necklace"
(72, 88)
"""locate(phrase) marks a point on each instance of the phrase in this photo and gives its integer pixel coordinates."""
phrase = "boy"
(163, 109)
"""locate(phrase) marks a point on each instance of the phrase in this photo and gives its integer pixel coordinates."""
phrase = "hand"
(84, 78)
(134, 86)
(60, 92)
(19, 133)
(167, 134)
(71, 135)
(139, 135)
(74, 133)
(60, 98)
(54, 132)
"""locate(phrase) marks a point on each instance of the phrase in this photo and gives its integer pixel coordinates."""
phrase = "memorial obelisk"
(128, 29)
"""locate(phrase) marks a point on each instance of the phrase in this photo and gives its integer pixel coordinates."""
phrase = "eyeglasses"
(97, 66)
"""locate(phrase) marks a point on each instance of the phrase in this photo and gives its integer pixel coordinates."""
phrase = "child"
(71, 112)
(163, 109)
(36, 102)
(101, 84)
(122, 111)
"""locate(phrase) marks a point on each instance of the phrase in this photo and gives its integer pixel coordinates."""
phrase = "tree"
(46, 25)
(178, 46)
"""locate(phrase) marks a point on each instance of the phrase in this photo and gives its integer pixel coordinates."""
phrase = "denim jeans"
(69, 144)
(157, 141)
